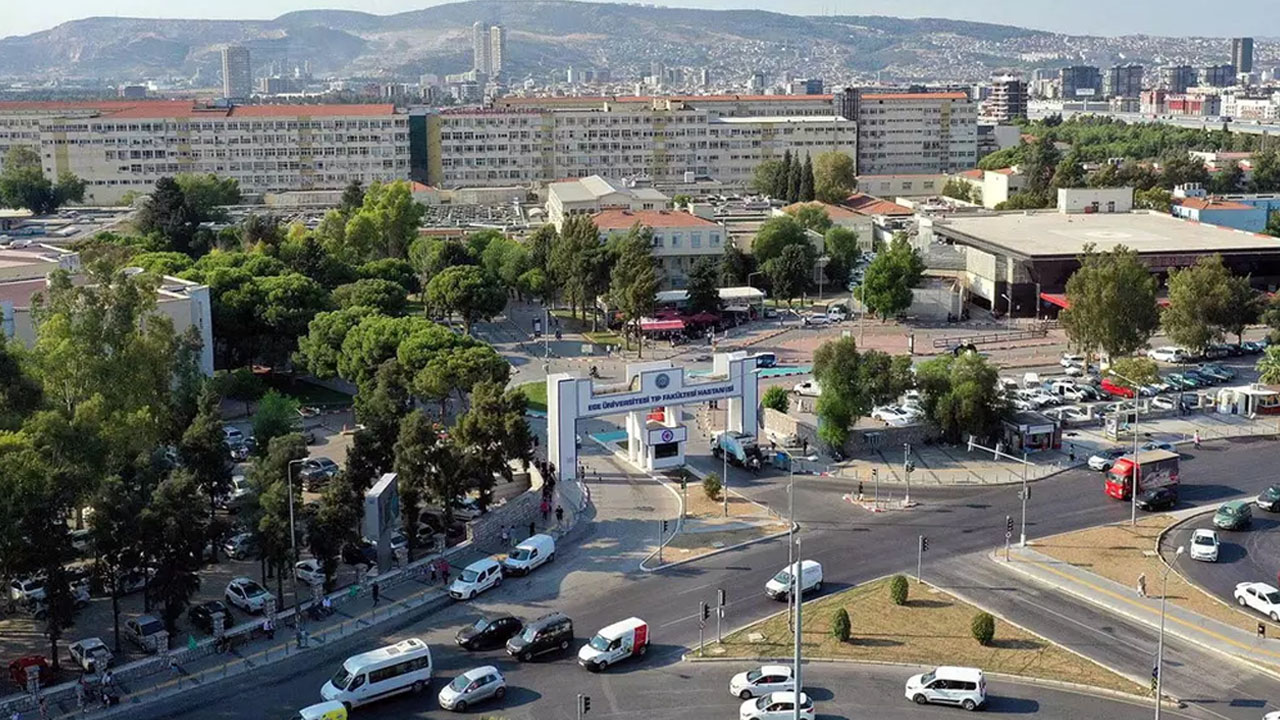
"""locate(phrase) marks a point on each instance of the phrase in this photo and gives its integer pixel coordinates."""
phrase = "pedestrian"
(173, 665)
(859, 491)
(435, 570)
(545, 508)
(327, 603)
(80, 694)
(559, 515)
(1142, 585)
(1072, 454)
(533, 530)
(1196, 439)
(506, 536)
(374, 592)
(268, 629)
(445, 570)
(108, 680)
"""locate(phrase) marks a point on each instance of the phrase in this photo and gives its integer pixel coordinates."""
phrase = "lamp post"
(791, 518)
(1164, 592)
(797, 595)
(293, 546)
(1137, 466)
(1022, 539)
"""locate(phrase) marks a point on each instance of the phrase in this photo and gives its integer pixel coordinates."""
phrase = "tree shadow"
(1016, 644)
(927, 603)
(873, 641)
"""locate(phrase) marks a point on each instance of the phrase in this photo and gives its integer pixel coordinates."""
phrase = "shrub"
(776, 397)
(712, 486)
(898, 590)
(840, 625)
(983, 627)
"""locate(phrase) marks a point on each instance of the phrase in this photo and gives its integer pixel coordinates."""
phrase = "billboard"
(381, 507)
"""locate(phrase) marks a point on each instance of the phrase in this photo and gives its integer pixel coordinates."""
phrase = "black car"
(361, 553)
(551, 632)
(488, 632)
(1269, 499)
(1161, 498)
(201, 615)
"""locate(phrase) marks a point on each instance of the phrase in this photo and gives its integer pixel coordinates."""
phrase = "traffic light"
(720, 598)
(924, 544)
(664, 527)
(584, 704)
(706, 611)
(1008, 525)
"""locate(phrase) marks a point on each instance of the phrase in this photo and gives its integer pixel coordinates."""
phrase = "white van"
(530, 555)
(779, 587)
(476, 578)
(966, 687)
(323, 711)
(619, 641)
(381, 673)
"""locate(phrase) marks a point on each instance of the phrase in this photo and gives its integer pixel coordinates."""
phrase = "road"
(1243, 555)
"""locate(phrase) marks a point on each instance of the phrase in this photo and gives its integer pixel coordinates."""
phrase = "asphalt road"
(1251, 555)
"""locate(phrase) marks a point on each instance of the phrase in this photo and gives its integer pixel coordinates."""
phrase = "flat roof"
(1051, 234)
(735, 120)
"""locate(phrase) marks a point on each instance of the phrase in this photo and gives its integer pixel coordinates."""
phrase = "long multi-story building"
(1242, 54)
(666, 140)
(906, 133)
(1080, 82)
(1218, 75)
(237, 73)
(117, 146)
(1124, 81)
(497, 49)
(480, 47)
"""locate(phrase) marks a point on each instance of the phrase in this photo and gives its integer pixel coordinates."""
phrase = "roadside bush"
(840, 625)
(776, 397)
(983, 628)
(712, 486)
(898, 590)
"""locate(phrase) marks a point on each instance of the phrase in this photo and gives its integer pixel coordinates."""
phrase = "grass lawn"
(604, 337)
(931, 629)
(307, 393)
(1122, 553)
(536, 391)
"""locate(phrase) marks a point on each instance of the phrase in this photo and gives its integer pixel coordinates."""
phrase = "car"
(776, 706)
(1182, 382)
(892, 415)
(549, 633)
(1069, 392)
(1160, 498)
(1156, 445)
(815, 319)
(239, 492)
(360, 553)
(232, 436)
(201, 616)
(1071, 413)
(808, 388)
(476, 578)
(1260, 597)
(1234, 515)
(247, 595)
(144, 631)
(1168, 354)
(1216, 372)
(966, 687)
(1252, 347)
(1269, 499)
(761, 681)
(18, 670)
(317, 471)
(131, 581)
(1105, 458)
(309, 572)
(1163, 403)
(488, 632)
(241, 546)
(1202, 377)
(90, 654)
(473, 686)
(467, 509)
(1068, 360)
(1117, 390)
(1041, 397)
(1204, 545)
(26, 590)
(1217, 352)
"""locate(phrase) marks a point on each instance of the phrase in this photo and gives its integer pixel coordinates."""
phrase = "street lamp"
(791, 517)
(751, 275)
(797, 593)
(1137, 466)
(293, 547)
(1164, 593)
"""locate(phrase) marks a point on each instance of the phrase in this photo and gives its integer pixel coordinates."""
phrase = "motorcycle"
(595, 372)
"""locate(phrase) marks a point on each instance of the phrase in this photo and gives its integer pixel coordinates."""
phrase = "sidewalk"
(1124, 601)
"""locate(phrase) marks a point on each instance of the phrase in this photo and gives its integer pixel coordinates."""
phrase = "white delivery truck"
(619, 641)
(530, 555)
(779, 587)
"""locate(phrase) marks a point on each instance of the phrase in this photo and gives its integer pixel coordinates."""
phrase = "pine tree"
(793, 182)
(806, 180)
(784, 176)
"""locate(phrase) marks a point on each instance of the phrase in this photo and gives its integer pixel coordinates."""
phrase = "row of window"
(388, 139)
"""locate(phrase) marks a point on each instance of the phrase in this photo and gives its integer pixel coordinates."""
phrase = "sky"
(1093, 17)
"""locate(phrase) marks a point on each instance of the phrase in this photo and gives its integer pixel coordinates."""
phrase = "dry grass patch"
(700, 507)
(932, 628)
(688, 545)
(1121, 553)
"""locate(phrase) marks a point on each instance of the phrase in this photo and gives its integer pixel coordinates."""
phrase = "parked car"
(315, 472)
(26, 590)
(144, 631)
(1156, 445)
(1159, 498)
(1068, 360)
(1204, 545)
(241, 546)
(808, 388)
(201, 616)
(239, 492)
(309, 572)
(816, 319)
(892, 415)
(90, 654)
(473, 686)
(1261, 597)
(1251, 347)
(762, 681)
(1182, 382)
(477, 577)
(1168, 354)
(1163, 403)
(247, 595)
(1117, 390)
(488, 632)
(360, 553)
(467, 509)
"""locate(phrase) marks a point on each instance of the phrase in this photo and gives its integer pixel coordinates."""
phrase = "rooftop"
(1210, 203)
(624, 219)
(834, 212)
(870, 205)
(777, 119)
(917, 96)
(187, 108)
(1052, 234)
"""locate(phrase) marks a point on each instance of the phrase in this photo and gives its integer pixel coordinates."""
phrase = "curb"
(717, 551)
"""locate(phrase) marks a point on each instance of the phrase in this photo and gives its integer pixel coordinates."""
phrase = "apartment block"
(1081, 82)
(1177, 78)
(118, 146)
(916, 133)
(1242, 54)
(237, 73)
(1124, 81)
(1007, 99)
(1218, 75)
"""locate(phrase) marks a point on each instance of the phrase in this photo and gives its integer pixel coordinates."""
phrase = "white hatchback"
(1204, 545)
(776, 706)
(762, 681)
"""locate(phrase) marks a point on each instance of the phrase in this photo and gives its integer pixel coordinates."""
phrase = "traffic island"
(931, 628)
(705, 528)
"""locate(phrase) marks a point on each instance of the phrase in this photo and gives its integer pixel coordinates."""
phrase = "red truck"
(1155, 468)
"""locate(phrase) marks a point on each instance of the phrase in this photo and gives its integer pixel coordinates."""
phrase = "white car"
(762, 681)
(816, 319)
(1162, 403)
(472, 687)
(892, 415)
(1261, 597)
(91, 654)
(808, 388)
(247, 595)
(776, 706)
(309, 572)
(1068, 360)
(1041, 397)
(1204, 545)
(25, 590)
(1167, 354)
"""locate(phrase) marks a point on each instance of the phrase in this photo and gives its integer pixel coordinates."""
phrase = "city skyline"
(1090, 17)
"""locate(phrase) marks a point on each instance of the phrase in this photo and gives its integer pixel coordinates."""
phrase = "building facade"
(1080, 82)
(1218, 75)
(1008, 99)
(594, 194)
(237, 73)
(1242, 54)
(916, 133)
(119, 147)
(497, 49)
(680, 239)
(1124, 81)
(480, 47)
(1177, 78)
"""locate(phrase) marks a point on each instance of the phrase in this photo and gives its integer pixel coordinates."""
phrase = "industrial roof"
(1052, 234)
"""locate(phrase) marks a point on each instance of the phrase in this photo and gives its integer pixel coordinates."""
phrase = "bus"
(381, 673)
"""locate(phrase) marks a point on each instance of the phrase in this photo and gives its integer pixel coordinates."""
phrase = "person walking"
(374, 591)
(533, 528)
(1142, 585)
(506, 536)
(559, 515)
(859, 491)
(1196, 439)
(546, 509)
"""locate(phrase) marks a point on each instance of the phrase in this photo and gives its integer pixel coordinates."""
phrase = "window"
(695, 240)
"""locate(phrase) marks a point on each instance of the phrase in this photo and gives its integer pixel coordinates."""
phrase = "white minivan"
(530, 555)
(476, 578)
(619, 641)
(779, 588)
(381, 673)
(965, 687)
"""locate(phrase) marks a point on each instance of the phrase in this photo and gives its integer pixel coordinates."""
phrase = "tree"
(807, 191)
(1027, 200)
(889, 278)
(285, 306)
(840, 626)
(841, 245)
(20, 392)
(206, 194)
(352, 199)
(540, 245)
(468, 291)
(961, 395)
(898, 589)
(795, 180)
(712, 487)
(23, 185)
(117, 504)
(332, 526)
(167, 214)
(1266, 171)
(416, 465)
(573, 261)
(983, 628)
(270, 480)
(380, 406)
(493, 432)
(811, 216)
(1156, 198)
(853, 382)
(394, 215)
(736, 266)
(277, 416)
(204, 454)
(1268, 366)
(1128, 370)
(320, 349)
(397, 270)
(1243, 308)
(704, 286)
(1041, 165)
(775, 234)
(1273, 224)
(834, 178)
(175, 532)
(1227, 181)
(1069, 172)
(776, 397)
(385, 296)
(1111, 302)
(791, 272)
(456, 372)
(958, 189)
(634, 286)
(765, 177)
(1198, 303)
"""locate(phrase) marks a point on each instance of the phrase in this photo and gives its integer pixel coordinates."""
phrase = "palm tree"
(1269, 366)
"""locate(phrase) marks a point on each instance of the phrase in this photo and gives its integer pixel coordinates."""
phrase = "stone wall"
(861, 440)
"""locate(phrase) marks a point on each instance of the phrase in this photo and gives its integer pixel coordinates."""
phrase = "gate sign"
(657, 387)
(666, 435)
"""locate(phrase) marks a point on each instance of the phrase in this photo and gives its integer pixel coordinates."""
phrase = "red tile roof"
(624, 219)
(868, 205)
(1006, 171)
(187, 108)
(974, 174)
(1210, 204)
(833, 211)
(572, 99)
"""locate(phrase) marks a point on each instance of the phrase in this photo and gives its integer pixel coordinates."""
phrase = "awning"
(661, 325)
(703, 318)
(1055, 299)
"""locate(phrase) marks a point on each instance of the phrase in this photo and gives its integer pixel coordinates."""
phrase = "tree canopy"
(1112, 299)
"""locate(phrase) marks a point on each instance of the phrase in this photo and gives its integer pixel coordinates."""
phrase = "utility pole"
(1137, 467)
(875, 478)
(797, 594)
(724, 481)
(1159, 669)
(293, 550)
(1026, 493)
(720, 603)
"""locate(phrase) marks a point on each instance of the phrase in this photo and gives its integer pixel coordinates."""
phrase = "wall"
(861, 440)
(1102, 200)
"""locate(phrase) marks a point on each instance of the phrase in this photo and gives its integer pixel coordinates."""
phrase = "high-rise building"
(704, 77)
(1242, 54)
(1124, 81)
(1177, 78)
(904, 133)
(480, 47)
(497, 49)
(1080, 82)
(1008, 99)
(237, 73)
(1218, 75)
(805, 86)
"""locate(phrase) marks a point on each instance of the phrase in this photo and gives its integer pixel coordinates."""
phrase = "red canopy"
(661, 325)
(704, 318)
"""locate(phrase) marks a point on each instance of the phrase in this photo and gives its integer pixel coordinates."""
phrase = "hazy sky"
(1096, 17)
